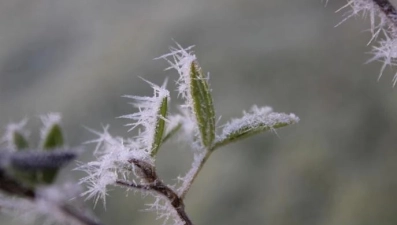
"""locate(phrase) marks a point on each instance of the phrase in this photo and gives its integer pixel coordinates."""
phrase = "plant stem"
(192, 174)
(155, 184)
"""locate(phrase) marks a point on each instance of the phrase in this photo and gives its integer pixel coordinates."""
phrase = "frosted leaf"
(48, 121)
(150, 116)
(255, 121)
(193, 87)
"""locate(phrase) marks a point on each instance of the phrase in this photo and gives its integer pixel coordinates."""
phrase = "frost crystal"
(112, 163)
(147, 115)
(383, 21)
(113, 153)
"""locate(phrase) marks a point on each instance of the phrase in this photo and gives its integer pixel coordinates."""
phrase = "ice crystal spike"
(382, 15)
(253, 122)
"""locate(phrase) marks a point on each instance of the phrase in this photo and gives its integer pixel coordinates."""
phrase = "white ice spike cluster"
(383, 20)
(148, 114)
(112, 156)
(113, 153)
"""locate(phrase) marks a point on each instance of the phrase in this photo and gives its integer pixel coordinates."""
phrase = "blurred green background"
(337, 166)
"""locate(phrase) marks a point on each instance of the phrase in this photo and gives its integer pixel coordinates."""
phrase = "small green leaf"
(54, 139)
(160, 125)
(20, 141)
(202, 105)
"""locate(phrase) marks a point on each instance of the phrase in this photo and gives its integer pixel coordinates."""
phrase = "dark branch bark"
(155, 184)
(388, 9)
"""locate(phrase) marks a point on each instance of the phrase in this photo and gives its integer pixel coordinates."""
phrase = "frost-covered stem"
(388, 9)
(12, 186)
(156, 185)
(195, 170)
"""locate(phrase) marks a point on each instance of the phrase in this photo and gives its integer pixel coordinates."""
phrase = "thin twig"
(156, 185)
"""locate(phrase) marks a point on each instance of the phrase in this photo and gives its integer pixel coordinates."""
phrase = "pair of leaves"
(256, 121)
(203, 111)
(33, 166)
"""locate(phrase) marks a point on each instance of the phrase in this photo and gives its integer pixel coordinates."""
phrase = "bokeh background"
(337, 166)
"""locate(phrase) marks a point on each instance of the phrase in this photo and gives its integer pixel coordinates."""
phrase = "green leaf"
(202, 105)
(20, 141)
(160, 125)
(54, 139)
